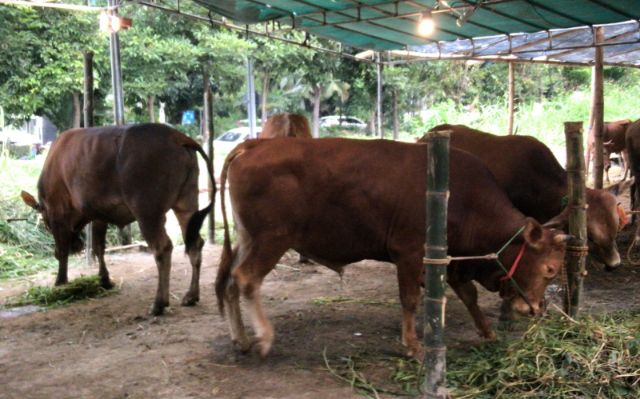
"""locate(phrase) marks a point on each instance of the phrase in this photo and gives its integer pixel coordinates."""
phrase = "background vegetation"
(163, 59)
(164, 56)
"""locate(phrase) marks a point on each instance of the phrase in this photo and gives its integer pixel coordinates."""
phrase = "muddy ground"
(111, 348)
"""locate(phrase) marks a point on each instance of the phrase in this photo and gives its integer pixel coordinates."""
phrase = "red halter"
(515, 264)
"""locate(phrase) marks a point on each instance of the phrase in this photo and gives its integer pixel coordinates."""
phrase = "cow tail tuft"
(226, 260)
(196, 221)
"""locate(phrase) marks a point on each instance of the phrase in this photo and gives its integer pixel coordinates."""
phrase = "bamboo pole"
(436, 265)
(511, 97)
(87, 111)
(598, 113)
(577, 247)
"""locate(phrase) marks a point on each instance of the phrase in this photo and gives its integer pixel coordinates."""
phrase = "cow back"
(524, 168)
(348, 200)
(286, 125)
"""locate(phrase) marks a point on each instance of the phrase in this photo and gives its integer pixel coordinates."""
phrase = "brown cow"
(633, 150)
(613, 141)
(286, 125)
(370, 205)
(535, 182)
(117, 175)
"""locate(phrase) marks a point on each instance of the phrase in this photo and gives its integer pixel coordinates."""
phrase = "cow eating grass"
(339, 201)
(536, 183)
(116, 175)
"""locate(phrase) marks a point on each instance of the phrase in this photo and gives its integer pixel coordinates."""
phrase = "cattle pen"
(344, 324)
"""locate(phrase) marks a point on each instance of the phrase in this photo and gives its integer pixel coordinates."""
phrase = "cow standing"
(339, 201)
(115, 175)
(632, 142)
(613, 141)
(536, 183)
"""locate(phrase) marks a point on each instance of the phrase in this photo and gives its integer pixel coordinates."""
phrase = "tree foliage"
(164, 58)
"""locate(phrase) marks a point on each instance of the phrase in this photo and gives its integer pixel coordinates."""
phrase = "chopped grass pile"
(82, 288)
(555, 358)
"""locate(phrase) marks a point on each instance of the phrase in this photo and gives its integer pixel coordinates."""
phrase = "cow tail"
(197, 219)
(224, 270)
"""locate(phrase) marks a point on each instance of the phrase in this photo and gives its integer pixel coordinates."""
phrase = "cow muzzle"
(523, 308)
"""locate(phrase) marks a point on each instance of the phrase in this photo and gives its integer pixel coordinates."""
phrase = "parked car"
(231, 138)
(344, 121)
(226, 142)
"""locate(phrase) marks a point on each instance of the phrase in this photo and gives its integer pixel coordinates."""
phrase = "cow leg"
(62, 241)
(468, 293)
(195, 258)
(248, 275)
(152, 228)
(234, 317)
(409, 285)
(625, 160)
(99, 231)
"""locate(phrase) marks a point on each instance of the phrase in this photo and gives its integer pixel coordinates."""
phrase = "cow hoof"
(417, 352)
(243, 347)
(190, 300)
(264, 346)
(489, 335)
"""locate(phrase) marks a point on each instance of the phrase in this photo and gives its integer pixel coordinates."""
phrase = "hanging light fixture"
(426, 25)
(113, 23)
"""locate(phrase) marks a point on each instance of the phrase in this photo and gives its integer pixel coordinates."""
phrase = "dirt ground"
(111, 348)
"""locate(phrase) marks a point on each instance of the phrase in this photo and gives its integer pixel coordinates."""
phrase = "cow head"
(540, 261)
(63, 235)
(603, 223)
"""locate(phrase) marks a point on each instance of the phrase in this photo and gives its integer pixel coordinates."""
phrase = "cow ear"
(533, 233)
(29, 200)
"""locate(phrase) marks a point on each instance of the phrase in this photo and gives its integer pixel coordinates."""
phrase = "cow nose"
(611, 268)
(525, 309)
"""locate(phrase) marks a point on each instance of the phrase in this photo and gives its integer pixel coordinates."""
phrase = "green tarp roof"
(391, 25)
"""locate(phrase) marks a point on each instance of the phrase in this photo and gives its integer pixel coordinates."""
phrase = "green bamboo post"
(435, 360)
(576, 249)
(88, 122)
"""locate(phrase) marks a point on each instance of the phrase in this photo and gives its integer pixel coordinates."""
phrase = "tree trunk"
(265, 93)
(88, 89)
(317, 93)
(77, 109)
(151, 108)
(207, 136)
(372, 121)
(394, 98)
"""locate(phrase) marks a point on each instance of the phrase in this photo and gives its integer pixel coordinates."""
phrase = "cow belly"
(118, 214)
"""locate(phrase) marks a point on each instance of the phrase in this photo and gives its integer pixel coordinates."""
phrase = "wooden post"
(511, 98)
(379, 95)
(577, 247)
(598, 113)
(207, 132)
(435, 360)
(87, 112)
